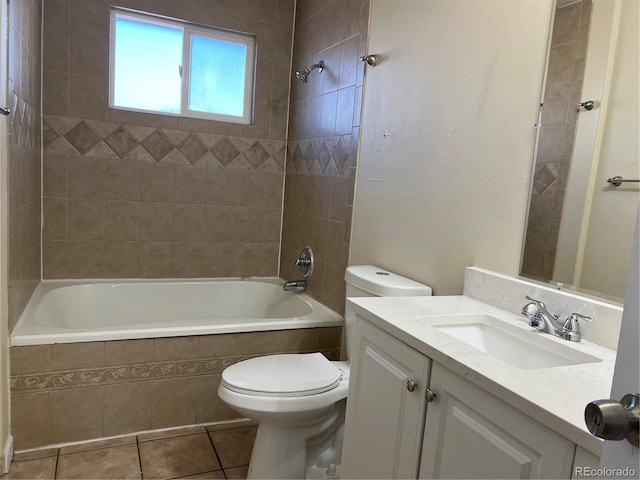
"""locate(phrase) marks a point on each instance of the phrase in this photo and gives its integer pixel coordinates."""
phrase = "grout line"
(213, 445)
(139, 459)
(55, 470)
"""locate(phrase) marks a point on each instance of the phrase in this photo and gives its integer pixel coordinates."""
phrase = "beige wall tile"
(65, 356)
(155, 259)
(220, 223)
(30, 359)
(122, 352)
(175, 348)
(173, 402)
(55, 218)
(56, 48)
(158, 182)
(121, 259)
(86, 219)
(122, 220)
(218, 259)
(76, 414)
(191, 184)
(86, 177)
(156, 221)
(222, 185)
(247, 258)
(89, 53)
(54, 256)
(123, 179)
(189, 223)
(209, 407)
(31, 420)
(187, 260)
(55, 93)
(88, 97)
(85, 259)
(127, 408)
(54, 175)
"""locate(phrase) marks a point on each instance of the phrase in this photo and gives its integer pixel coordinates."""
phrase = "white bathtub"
(67, 311)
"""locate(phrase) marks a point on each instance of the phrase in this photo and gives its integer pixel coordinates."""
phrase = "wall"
(447, 137)
(323, 141)
(25, 18)
(140, 195)
(128, 386)
(555, 144)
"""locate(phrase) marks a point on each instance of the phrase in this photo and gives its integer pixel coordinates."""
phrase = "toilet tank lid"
(383, 283)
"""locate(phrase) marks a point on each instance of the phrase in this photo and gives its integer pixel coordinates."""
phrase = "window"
(159, 65)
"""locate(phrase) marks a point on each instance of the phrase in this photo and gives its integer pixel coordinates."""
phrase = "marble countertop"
(555, 396)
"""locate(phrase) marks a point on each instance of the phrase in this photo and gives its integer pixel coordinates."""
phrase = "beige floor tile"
(42, 468)
(34, 454)
(175, 432)
(177, 456)
(106, 463)
(111, 442)
(234, 446)
(237, 473)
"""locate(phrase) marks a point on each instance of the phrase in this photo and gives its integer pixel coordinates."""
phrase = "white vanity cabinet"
(385, 407)
(467, 432)
(470, 433)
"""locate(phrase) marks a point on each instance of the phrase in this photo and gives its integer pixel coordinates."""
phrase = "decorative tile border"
(322, 156)
(59, 380)
(74, 136)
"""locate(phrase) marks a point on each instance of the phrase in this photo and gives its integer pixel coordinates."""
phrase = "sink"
(518, 347)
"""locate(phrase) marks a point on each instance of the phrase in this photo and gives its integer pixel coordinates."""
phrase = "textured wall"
(140, 195)
(323, 142)
(555, 143)
(24, 197)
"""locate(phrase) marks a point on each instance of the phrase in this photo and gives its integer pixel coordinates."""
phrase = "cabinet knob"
(411, 385)
(429, 395)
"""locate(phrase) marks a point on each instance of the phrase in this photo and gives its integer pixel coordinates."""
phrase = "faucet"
(540, 318)
(297, 286)
(305, 263)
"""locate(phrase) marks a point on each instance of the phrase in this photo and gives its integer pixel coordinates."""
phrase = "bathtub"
(68, 311)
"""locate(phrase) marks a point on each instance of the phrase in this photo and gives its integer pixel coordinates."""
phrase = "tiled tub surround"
(24, 195)
(80, 391)
(129, 194)
(323, 142)
(133, 201)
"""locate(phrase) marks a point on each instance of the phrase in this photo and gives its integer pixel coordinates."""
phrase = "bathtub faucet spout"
(297, 286)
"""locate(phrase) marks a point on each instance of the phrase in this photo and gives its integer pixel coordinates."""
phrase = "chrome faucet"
(540, 318)
(305, 263)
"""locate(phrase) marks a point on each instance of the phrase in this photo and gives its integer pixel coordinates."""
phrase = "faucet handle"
(571, 323)
(538, 302)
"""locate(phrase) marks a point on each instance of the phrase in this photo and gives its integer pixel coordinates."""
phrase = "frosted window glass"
(146, 67)
(217, 80)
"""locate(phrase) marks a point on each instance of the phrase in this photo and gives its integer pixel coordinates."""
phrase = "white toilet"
(299, 399)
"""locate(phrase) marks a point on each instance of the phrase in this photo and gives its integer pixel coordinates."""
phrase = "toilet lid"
(287, 375)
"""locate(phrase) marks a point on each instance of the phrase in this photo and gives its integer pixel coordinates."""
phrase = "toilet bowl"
(299, 399)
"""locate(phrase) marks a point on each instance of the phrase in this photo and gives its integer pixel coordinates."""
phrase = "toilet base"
(281, 452)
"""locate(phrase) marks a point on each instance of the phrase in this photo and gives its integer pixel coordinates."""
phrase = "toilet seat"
(286, 375)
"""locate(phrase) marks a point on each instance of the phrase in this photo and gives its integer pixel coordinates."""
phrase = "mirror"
(580, 228)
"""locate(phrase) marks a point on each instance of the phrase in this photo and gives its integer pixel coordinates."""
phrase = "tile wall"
(80, 391)
(25, 17)
(323, 142)
(555, 144)
(139, 195)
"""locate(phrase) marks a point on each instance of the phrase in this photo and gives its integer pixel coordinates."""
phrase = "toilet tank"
(372, 281)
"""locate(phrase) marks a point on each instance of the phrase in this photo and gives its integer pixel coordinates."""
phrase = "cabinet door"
(469, 433)
(384, 419)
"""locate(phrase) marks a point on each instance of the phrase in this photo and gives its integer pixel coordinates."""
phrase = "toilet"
(299, 399)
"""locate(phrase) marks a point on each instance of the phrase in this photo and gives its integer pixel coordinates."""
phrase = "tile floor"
(219, 451)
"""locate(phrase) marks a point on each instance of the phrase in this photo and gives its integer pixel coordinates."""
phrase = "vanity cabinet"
(470, 433)
(391, 431)
(385, 407)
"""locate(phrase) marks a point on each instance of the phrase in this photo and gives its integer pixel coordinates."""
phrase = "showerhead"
(304, 75)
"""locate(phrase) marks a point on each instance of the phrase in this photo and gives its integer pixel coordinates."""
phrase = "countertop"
(556, 396)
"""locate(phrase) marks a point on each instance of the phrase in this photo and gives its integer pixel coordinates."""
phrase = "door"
(626, 378)
(385, 407)
(5, 442)
(469, 433)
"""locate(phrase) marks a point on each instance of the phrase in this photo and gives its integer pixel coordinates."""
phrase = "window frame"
(189, 30)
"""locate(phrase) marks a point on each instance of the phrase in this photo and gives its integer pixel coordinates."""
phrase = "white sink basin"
(518, 347)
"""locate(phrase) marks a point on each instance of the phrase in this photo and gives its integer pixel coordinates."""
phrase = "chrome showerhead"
(304, 75)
